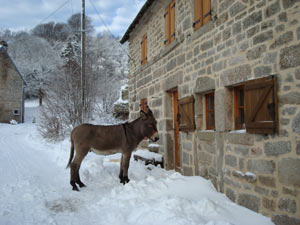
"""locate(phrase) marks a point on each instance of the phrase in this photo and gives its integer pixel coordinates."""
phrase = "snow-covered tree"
(36, 60)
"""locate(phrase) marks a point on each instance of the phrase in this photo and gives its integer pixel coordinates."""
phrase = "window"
(144, 105)
(185, 116)
(202, 13)
(210, 111)
(144, 50)
(16, 112)
(170, 23)
(239, 108)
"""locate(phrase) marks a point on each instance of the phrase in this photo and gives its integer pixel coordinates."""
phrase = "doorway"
(176, 130)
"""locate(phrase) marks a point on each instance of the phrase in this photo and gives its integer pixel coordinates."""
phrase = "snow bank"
(149, 155)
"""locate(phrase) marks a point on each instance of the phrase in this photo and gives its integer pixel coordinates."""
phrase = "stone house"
(12, 87)
(223, 80)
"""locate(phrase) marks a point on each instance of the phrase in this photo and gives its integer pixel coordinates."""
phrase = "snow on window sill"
(238, 131)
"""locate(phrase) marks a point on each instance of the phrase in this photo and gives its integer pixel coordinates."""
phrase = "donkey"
(105, 140)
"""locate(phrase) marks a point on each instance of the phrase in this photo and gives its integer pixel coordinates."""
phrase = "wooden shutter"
(206, 11)
(146, 46)
(197, 14)
(144, 104)
(202, 13)
(172, 21)
(167, 26)
(261, 109)
(144, 50)
(186, 114)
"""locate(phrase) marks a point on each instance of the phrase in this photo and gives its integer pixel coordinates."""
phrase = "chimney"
(3, 45)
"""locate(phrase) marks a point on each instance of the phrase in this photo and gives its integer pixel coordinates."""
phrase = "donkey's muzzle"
(155, 137)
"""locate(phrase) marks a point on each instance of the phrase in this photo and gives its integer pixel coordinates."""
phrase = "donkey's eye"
(150, 125)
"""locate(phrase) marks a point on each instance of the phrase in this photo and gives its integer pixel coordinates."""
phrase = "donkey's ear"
(143, 115)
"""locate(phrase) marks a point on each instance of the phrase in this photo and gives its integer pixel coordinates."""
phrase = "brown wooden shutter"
(172, 21)
(145, 46)
(261, 108)
(167, 26)
(206, 11)
(144, 49)
(197, 14)
(144, 104)
(186, 114)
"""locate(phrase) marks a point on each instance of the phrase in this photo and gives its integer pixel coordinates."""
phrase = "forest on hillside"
(49, 58)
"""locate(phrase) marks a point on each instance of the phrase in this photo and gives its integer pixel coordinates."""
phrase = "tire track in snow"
(25, 179)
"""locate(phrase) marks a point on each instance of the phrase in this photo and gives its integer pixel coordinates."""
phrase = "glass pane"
(211, 119)
(211, 102)
(241, 97)
(241, 119)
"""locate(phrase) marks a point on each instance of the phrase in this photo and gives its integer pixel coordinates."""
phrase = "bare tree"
(62, 109)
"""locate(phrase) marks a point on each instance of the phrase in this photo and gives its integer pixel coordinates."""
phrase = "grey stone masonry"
(243, 40)
(11, 89)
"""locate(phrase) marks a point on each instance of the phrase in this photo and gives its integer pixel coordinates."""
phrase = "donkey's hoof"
(81, 184)
(124, 180)
(75, 188)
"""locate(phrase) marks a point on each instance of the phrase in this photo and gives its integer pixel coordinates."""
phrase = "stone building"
(223, 80)
(12, 87)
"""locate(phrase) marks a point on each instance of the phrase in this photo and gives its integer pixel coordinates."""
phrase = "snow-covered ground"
(35, 190)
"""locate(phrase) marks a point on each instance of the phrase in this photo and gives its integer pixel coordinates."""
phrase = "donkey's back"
(98, 137)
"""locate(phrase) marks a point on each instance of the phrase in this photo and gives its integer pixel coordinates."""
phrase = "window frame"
(208, 111)
(238, 107)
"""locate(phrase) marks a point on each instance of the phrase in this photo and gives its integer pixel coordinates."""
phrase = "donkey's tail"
(71, 152)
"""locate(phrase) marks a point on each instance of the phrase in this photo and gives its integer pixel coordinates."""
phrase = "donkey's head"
(148, 127)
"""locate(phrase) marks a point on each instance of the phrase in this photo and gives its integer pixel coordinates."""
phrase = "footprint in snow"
(63, 205)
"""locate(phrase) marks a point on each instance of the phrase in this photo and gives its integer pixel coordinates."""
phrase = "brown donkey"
(107, 140)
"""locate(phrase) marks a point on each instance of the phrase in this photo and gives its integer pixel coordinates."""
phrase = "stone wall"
(10, 90)
(244, 40)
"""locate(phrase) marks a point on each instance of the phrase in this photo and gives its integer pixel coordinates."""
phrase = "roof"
(141, 13)
(3, 49)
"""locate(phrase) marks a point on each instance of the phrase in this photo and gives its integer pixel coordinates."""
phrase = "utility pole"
(83, 80)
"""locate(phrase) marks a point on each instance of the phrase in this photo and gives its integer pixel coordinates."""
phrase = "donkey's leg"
(78, 181)
(121, 170)
(125, 166)
(75, 166)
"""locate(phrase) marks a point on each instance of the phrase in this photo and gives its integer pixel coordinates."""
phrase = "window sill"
(243, 131)
(206, 135)
(203, 30)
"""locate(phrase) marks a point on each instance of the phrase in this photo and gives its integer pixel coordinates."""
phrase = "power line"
(102, 21)
(61, 6)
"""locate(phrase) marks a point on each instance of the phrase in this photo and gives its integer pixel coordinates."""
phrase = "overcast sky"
(26, 14)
